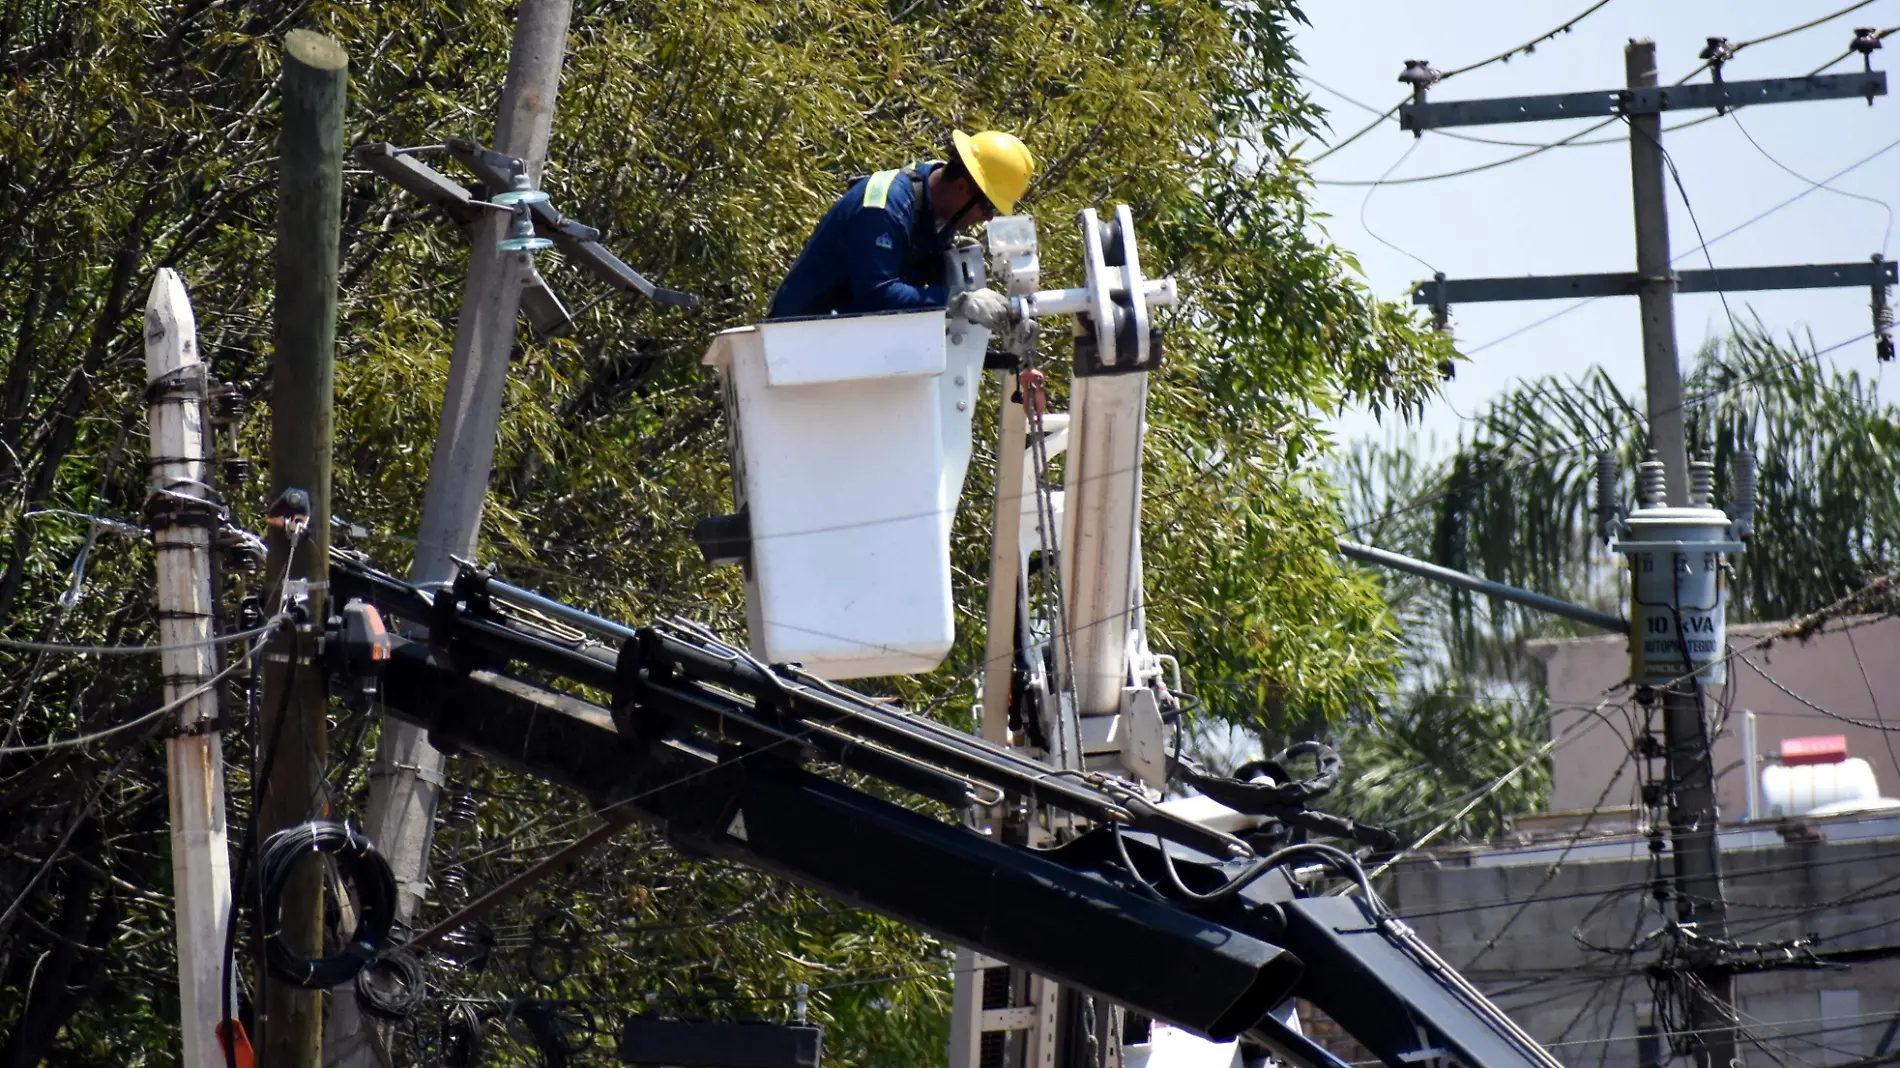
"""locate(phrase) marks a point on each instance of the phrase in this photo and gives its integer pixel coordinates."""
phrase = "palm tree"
(1514, 502)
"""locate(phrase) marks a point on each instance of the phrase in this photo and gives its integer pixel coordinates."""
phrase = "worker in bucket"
(881, 246)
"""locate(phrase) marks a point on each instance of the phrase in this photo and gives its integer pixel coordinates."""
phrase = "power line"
(1494, 164)
(1881, 204)
(1778, 34)
(1577, 730)
(1366, 202)
(134, 650)
(170, 706)
(1702, 243)
(1873, 698)
(1591, 440)
(1865, 724)
(1737, 228)
(1638, 886)
(1851, 50)
(1550, 871)
(1502, 57)
(1571, 141)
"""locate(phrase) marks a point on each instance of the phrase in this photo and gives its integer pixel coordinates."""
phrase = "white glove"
(984, 307)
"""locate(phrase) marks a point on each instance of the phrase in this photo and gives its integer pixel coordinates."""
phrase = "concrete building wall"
(1825, 670)
(1593, 1006)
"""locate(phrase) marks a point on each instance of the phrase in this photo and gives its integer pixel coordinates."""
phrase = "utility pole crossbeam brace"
(1441, 292)
(1642, 100)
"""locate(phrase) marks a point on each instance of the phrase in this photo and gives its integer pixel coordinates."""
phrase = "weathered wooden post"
(181, 526)
(295, 726)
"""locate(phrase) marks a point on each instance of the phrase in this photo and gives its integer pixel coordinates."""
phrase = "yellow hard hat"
(1000, 164)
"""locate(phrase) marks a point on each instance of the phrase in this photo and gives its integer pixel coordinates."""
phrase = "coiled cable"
(373, 891)
(392, 986)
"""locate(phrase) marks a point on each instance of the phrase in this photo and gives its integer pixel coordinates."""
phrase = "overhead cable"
(1738, 227)
(134, 650)
(165, 709)
(1502, 57)
(1591, 440)
(1572, 140)
(1494, 164)
(1881, 204)
(373, 901)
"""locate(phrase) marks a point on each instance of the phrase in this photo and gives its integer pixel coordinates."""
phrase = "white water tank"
(1799, 789)
(849, 440)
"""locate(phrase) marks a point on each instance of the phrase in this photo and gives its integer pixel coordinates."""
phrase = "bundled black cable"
(373, 890)
(461, 1037)
(1260, 787)
(1267, 788)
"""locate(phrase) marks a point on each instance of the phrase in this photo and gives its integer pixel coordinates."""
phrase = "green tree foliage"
(704, 137)
(1514, 502)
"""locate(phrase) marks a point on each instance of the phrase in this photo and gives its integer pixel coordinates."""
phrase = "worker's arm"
(877, 240)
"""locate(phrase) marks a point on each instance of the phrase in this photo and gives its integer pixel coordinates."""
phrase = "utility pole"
(1656, 291)
(293, 724)
(1692, 812)
(407, 777)
(201, 876)
(1693, 817)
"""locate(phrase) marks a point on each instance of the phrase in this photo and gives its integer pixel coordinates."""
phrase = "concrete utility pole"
(408, 773)
(201, 860)
(293, 726)
(1696, 847)
(1692, 809)
(1662, 380)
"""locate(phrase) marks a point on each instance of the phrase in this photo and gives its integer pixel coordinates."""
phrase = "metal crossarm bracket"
(1428, 116)
(1624, 283)
(419, 179)
(578, 242)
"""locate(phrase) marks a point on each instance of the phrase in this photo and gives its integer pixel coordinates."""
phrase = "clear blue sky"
(1567, 210)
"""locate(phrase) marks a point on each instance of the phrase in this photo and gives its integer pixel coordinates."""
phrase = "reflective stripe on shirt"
(878, 190)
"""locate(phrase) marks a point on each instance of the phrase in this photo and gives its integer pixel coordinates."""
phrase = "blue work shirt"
(877, 249)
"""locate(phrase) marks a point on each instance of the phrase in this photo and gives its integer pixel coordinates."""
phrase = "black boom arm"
(714, 747)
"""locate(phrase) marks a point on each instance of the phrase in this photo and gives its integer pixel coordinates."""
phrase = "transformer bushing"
(1678, 599)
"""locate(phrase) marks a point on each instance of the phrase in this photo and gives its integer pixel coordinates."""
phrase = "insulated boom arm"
(712, 747)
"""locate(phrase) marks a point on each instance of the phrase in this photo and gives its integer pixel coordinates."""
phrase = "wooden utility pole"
(1695, 845)
(407, 777)
(293, 724)
(201, 875)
